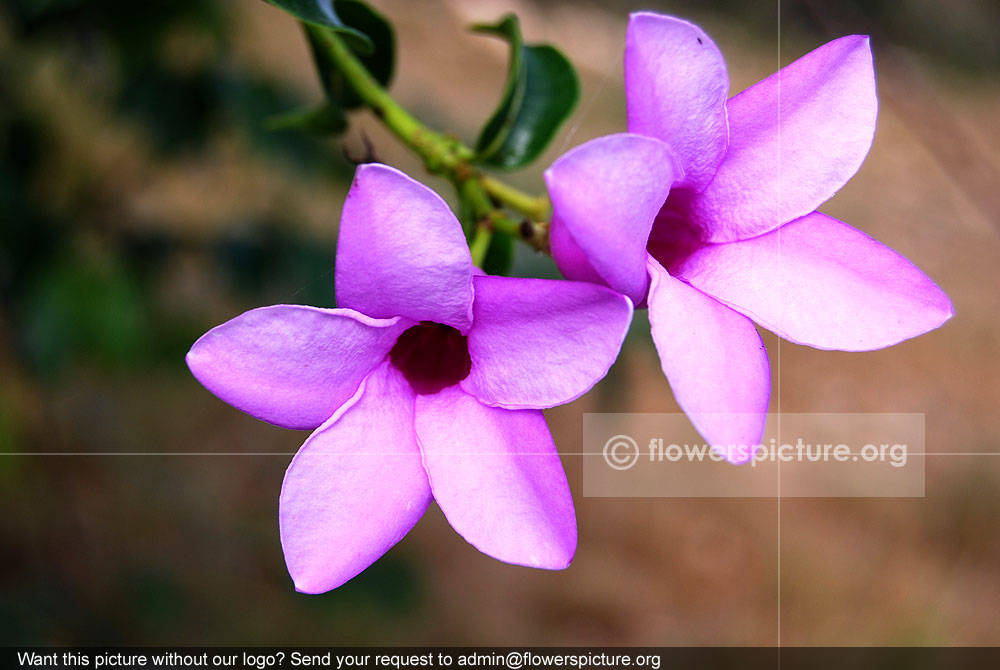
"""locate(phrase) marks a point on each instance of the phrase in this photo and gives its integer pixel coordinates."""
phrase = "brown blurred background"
(142, 202)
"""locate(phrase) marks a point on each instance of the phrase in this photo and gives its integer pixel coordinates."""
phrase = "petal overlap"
(795, 139)
(402, 252)
(606, 193)
(820, 282)
(676, 86)
(291, 365)
(538, 343)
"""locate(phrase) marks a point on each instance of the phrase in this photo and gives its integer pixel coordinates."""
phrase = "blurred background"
(142, 201)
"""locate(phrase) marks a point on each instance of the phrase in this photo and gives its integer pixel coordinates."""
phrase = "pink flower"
(426, 383)
(705, 212)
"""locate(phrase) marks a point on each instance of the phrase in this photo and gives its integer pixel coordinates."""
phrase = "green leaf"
(324, 14)
(499, 255)
(541, 91)
(379, 60)
(325, 119)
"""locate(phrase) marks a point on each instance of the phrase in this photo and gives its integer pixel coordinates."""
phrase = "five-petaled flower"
(705, 213)
(426, 383)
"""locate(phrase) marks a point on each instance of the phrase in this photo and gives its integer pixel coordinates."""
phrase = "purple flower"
(426, 383)
(705, 212)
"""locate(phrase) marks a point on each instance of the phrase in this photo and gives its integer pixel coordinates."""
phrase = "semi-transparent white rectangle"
(800, 455)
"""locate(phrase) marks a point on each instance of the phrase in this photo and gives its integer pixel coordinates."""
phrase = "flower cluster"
(428, 381)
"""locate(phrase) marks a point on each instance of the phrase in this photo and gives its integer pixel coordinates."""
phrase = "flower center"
(673, 237)
(432, 357)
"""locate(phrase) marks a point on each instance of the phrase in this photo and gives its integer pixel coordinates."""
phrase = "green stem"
(482, 209)
(473, 192)
(446, 156)
(443, 155)
(535, 206)
(480, 244)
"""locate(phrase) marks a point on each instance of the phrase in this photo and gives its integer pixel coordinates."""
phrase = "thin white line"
(781, 309)
(454, 453)
(149, 453)
(957, 453)
(585, 111)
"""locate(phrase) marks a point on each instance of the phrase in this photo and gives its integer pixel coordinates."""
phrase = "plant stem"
(473, 193)
(535, 233)
(442, 155)
(480, 244)
(536, 207)
(446, 156)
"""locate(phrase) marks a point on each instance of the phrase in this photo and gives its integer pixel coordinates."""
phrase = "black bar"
(509, 658)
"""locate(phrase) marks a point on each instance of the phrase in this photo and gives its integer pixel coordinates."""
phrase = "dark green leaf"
(326, 119)
(540, 93)
(379, 60)
(324, 14)
(492, 135)
(499, 255)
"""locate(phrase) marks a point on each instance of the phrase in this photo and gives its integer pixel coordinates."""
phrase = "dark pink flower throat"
(432, 357)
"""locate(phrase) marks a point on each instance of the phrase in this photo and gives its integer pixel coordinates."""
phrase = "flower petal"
(291, 365)
(676, 86)
(355, 488)
(539, 343)
(794, 140)
(820, 282)
(497, 476)
(401, 251)
(714, 360)
(606, 194)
